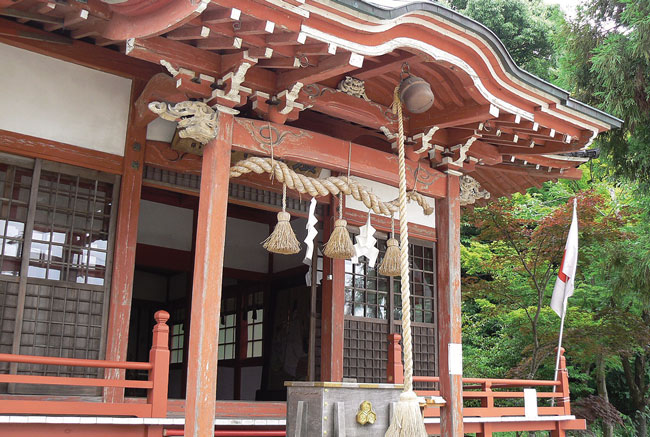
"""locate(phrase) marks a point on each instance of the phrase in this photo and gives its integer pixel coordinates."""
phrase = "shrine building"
(146, 148)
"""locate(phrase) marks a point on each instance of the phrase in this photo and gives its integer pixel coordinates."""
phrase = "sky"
(568, 6)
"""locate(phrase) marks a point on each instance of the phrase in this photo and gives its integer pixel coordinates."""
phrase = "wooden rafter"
(330, 67)
(178, 54)
(465, 115)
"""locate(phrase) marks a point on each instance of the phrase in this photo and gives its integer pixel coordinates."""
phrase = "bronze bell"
(416, 94)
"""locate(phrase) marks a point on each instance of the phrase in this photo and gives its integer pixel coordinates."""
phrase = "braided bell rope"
(322, 187)
(404, 251)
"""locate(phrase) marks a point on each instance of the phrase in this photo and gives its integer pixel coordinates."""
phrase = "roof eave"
(494, 42)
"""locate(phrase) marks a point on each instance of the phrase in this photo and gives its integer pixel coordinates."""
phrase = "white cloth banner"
(564, 283)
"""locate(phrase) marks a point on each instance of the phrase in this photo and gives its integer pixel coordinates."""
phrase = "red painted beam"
(77, 52)
(155, 22)
(34, 147)
(320, 150)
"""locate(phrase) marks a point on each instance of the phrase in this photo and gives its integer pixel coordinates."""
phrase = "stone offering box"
(331, 408)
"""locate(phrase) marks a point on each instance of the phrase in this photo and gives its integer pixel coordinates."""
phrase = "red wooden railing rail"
(231, 433)
(487, 390)
(156, 386)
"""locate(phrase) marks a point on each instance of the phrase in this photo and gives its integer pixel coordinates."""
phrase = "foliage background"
(511, 249)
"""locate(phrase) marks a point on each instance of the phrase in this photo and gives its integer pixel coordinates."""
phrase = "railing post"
(488, 400)
(159, 359)
(395, 370)
(563, 377)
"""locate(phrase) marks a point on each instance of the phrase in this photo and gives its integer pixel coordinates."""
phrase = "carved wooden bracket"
(195, 120)
(471, 191)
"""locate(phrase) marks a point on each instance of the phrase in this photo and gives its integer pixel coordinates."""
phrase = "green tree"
(515, 257)
(605, 61)
(526, 27)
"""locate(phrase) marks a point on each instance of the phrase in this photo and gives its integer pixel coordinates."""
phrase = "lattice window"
(255, 319)
(255, 322)
(422, 285)
(366, 291)
(367, 308)
(15, 184)
(228, 329)
(53, 263)
(177, 341)
(71, 226)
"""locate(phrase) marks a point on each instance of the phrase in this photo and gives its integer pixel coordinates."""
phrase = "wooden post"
(563, 377)
(206, 292)
(486, 402)
(126, 237)
(159, 359)
(449, 301)
(333, 304)
(395, 370)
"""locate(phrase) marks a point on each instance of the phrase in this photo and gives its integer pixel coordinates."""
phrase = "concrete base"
(330, 408)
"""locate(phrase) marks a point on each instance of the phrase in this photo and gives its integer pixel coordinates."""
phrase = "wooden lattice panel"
(55, 265)
(365, 349)
(62, 321)
(368, 310)
(8, 302)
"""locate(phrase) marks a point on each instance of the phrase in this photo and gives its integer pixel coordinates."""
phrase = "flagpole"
(559, 347)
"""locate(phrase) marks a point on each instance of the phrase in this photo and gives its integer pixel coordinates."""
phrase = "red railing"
(488, 390)
(230, 433)
(156, 385)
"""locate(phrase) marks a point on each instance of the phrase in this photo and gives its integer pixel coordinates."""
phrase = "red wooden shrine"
(111, 229)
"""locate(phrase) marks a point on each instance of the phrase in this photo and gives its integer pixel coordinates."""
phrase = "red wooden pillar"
(333, 301)
(449, 301)
(395, 371)
(126, 237)
(206, 292)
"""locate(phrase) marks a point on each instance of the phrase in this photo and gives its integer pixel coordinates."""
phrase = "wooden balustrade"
(156, 386)
(487, 390)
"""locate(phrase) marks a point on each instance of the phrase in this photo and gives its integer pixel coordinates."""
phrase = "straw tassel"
(340, 244)
(390, 264)
(282, 240)
(407, 418)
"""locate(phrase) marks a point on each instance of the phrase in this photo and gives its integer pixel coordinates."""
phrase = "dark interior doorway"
(264, 322)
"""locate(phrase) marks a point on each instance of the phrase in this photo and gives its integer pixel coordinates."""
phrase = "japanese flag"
(565, 278)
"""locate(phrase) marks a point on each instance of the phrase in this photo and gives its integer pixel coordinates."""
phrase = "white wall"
(161, 130)
(165, 225)
(388, 193)
(244, 250)
(170, 226)
(61, 101)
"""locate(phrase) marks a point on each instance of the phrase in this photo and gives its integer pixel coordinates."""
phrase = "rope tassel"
(390, 265)
(282, 240)
(340, 244)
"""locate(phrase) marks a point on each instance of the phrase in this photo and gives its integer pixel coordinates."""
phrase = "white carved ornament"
(471, 191)
(196, 120)
(353, 87)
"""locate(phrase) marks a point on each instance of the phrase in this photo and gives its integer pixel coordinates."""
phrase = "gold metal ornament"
(366, 415)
